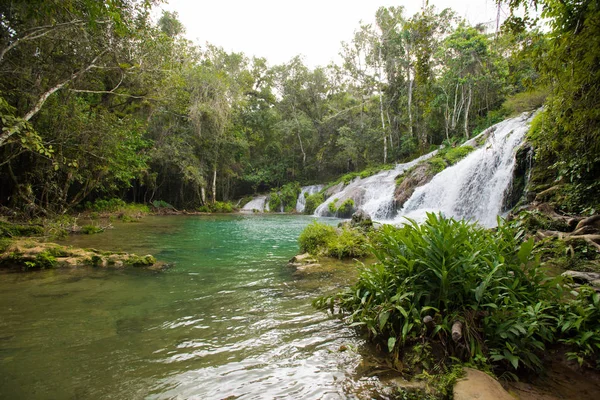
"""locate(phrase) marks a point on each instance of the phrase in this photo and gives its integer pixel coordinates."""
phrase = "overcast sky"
(280, 29)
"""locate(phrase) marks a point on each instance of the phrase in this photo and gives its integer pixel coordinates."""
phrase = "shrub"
(349, 243)
(312, 202)
(332, 206)
(315, 237)
(345, 209)
(9, 230)
(274, 202)
(216, 207)
(487, 280)
(526, 101)
(162, 204)
(91, 229)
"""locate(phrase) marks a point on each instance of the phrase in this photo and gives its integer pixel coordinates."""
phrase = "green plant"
(349, 243)
(312, 202)
(274, 202)
(345, 209)
(437, 163)
(332, 206)
(91, 229)
(315, 237)
(162, 204)
(455, 154)
(455, 272)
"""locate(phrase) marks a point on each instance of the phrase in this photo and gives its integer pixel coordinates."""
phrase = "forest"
(101, 101)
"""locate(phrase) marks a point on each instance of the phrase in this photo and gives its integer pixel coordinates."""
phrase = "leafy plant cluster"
(322, 239)
(343, 210)
(313, 201)
(488, 282)
(285, 198)
(217, 207)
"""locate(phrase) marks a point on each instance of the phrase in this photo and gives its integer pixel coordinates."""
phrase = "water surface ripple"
(229, 320)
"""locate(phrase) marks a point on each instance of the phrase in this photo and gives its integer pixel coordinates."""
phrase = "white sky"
(281, 29)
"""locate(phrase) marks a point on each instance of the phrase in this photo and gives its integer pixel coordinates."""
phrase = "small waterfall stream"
(374, 194)
(306, 191)
(475, 187)
(258, 203)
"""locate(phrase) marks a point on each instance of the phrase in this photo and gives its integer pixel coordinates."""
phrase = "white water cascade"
(258, 203)
(306, 191)
(475, 187)
(374, 194)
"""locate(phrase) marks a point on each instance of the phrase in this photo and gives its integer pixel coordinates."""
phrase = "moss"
(456, 154)
(4, 244)
(437, 163)
(8, 229)
(140, 261)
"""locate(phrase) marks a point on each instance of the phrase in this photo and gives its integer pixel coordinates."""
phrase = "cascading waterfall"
(258, 203)
(475, 187)
(306, 191)
(374, 194)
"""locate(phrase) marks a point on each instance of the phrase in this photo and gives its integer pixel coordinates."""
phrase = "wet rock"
(583, 278)
(419, 176)
(361, 219)
(333, 190)
(479, 385)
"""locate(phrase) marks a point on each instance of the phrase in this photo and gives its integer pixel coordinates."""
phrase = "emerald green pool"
(228, 319)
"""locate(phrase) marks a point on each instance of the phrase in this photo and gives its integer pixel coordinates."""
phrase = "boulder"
(361, 219)
(479, 385)
(583, 278)
(419, 176)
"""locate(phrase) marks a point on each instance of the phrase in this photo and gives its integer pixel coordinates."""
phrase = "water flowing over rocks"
(306, 191)
(258, 204)
(476, 186)
(374, 194)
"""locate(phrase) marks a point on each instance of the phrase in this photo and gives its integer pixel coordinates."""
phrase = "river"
(228, 320)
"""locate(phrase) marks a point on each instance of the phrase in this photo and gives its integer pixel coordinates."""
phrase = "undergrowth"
(489, 283)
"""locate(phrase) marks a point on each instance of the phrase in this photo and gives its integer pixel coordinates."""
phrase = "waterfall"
(374, 194)
(258, 203)
(475, 187)
(306, 191)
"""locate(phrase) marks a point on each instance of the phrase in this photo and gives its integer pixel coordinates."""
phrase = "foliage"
(91, 229)
(162, 204)
(312, 202)
(217, 207)
(454, 271)
(8, 230)
(322, 239)
(315, 237)
(525, 101)
(349, 243)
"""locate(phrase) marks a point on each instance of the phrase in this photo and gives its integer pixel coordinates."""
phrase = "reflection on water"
(229, 319)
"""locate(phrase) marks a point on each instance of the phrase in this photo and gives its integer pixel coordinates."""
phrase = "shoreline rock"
(29, 255)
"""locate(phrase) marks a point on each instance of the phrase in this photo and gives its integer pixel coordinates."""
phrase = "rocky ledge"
(27, 254)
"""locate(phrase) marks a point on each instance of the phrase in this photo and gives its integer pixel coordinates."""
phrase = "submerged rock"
(32, 255)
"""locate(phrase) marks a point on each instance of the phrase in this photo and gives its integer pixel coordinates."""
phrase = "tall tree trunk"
(299, 137)
(214, 185)
(410, 90)
(467, 111)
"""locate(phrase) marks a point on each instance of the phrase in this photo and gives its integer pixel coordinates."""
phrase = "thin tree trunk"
(214, 185)
(410, 90)
(299, 137)
(467, 112)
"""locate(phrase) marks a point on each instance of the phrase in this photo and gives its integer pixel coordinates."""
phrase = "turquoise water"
(230, 319)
